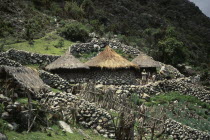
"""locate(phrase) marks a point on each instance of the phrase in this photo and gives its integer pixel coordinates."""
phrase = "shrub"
(60, 44)
(73, 10)
(75, 31)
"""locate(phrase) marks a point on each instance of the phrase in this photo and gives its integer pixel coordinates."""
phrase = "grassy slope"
(56, 134)
(183, 109)
(43, 45)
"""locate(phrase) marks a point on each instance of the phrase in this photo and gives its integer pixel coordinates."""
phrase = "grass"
(55, 90)
(188, 110)
(33, 66)
(56, 134)
(44, 45)
(25, 101)
(175, 96)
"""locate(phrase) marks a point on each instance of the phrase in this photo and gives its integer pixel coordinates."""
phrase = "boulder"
(3, 137)
(65, 126)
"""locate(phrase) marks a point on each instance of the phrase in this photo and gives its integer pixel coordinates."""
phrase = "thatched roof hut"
(67, 61)
(110, 59)
(26, 77)
(145, 61)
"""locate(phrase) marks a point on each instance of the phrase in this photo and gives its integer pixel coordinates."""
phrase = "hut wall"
(114, 77)
(101, 76)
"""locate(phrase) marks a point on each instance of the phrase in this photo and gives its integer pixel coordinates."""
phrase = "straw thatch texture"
(110, 59)
(145, 61)
(67, 61)
(26, 77)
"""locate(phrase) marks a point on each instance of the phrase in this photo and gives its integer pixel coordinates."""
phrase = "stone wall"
(55, 81)
(183, 132)
(87, 113)
(98, 76)
(182, 85)
(8, 62)
(96, 45)
(25, 58)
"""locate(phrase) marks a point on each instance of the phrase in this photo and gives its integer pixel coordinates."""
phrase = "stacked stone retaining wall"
(88, 114)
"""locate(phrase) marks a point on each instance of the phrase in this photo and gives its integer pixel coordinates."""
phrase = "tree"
(73, 10)
(88, 7)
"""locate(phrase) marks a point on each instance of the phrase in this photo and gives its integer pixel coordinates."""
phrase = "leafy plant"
(75, 31)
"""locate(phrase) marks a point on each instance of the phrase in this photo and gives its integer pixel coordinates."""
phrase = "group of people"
(147, 77)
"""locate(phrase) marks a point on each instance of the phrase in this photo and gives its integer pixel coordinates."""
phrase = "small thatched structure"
(145, 61)
(69, 68)
(108, 67)
(67, 62)
(22, 78)
(110, 59)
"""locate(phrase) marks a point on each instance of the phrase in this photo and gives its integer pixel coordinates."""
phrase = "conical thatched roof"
(145, 61)
(110, 59)
(26, 77)
(67, 61)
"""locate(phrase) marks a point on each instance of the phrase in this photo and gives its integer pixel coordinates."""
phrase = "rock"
(5, 115)
(65, 126)
(145, 96)
(98, 128)
(13, 126)
(3, 137)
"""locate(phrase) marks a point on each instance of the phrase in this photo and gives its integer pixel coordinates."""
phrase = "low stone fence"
(26, 58)
(97, 45)
(55, 81)
(183, 132)
(182, 85)
(8, 62)
(88, 114)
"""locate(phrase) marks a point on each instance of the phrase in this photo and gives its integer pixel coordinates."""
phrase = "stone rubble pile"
(88, 114)
(26, 58)
(14, 112)
(182, 85)
(55, 81)
(183, 132)
(97, 45)
(8, 62)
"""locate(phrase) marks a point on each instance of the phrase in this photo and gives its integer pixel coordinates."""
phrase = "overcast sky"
(204, 6)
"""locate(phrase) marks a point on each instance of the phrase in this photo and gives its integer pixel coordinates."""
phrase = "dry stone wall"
(106, 77)
(8, 62)
(55, 81)
(96, 45)
(183, 132)
(25, 58)
(88, 114)
(182, 85)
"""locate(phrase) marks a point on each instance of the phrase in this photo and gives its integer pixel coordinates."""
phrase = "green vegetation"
(55, 90)
(54, 134)
(25, 101)
(185, 109)
(167, 98)
(75, 31)
(45, 45)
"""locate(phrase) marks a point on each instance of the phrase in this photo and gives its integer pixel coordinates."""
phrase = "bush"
(60, 44)
(73, 10)
(75, 31)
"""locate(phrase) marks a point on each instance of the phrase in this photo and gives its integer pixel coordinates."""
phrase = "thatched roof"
(26, 77)
(110, 59)
(67, 61)
(145, 61)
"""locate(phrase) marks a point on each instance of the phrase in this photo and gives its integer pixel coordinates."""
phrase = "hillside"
(102, 103)
(152, 26)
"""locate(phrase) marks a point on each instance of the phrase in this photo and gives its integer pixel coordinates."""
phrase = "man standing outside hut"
(144, 77)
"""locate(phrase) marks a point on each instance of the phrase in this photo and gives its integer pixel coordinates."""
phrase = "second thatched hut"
(108, 67)
(69, 68)
(146, 63)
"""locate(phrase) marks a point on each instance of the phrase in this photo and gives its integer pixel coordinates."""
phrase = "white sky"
(204, 6)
